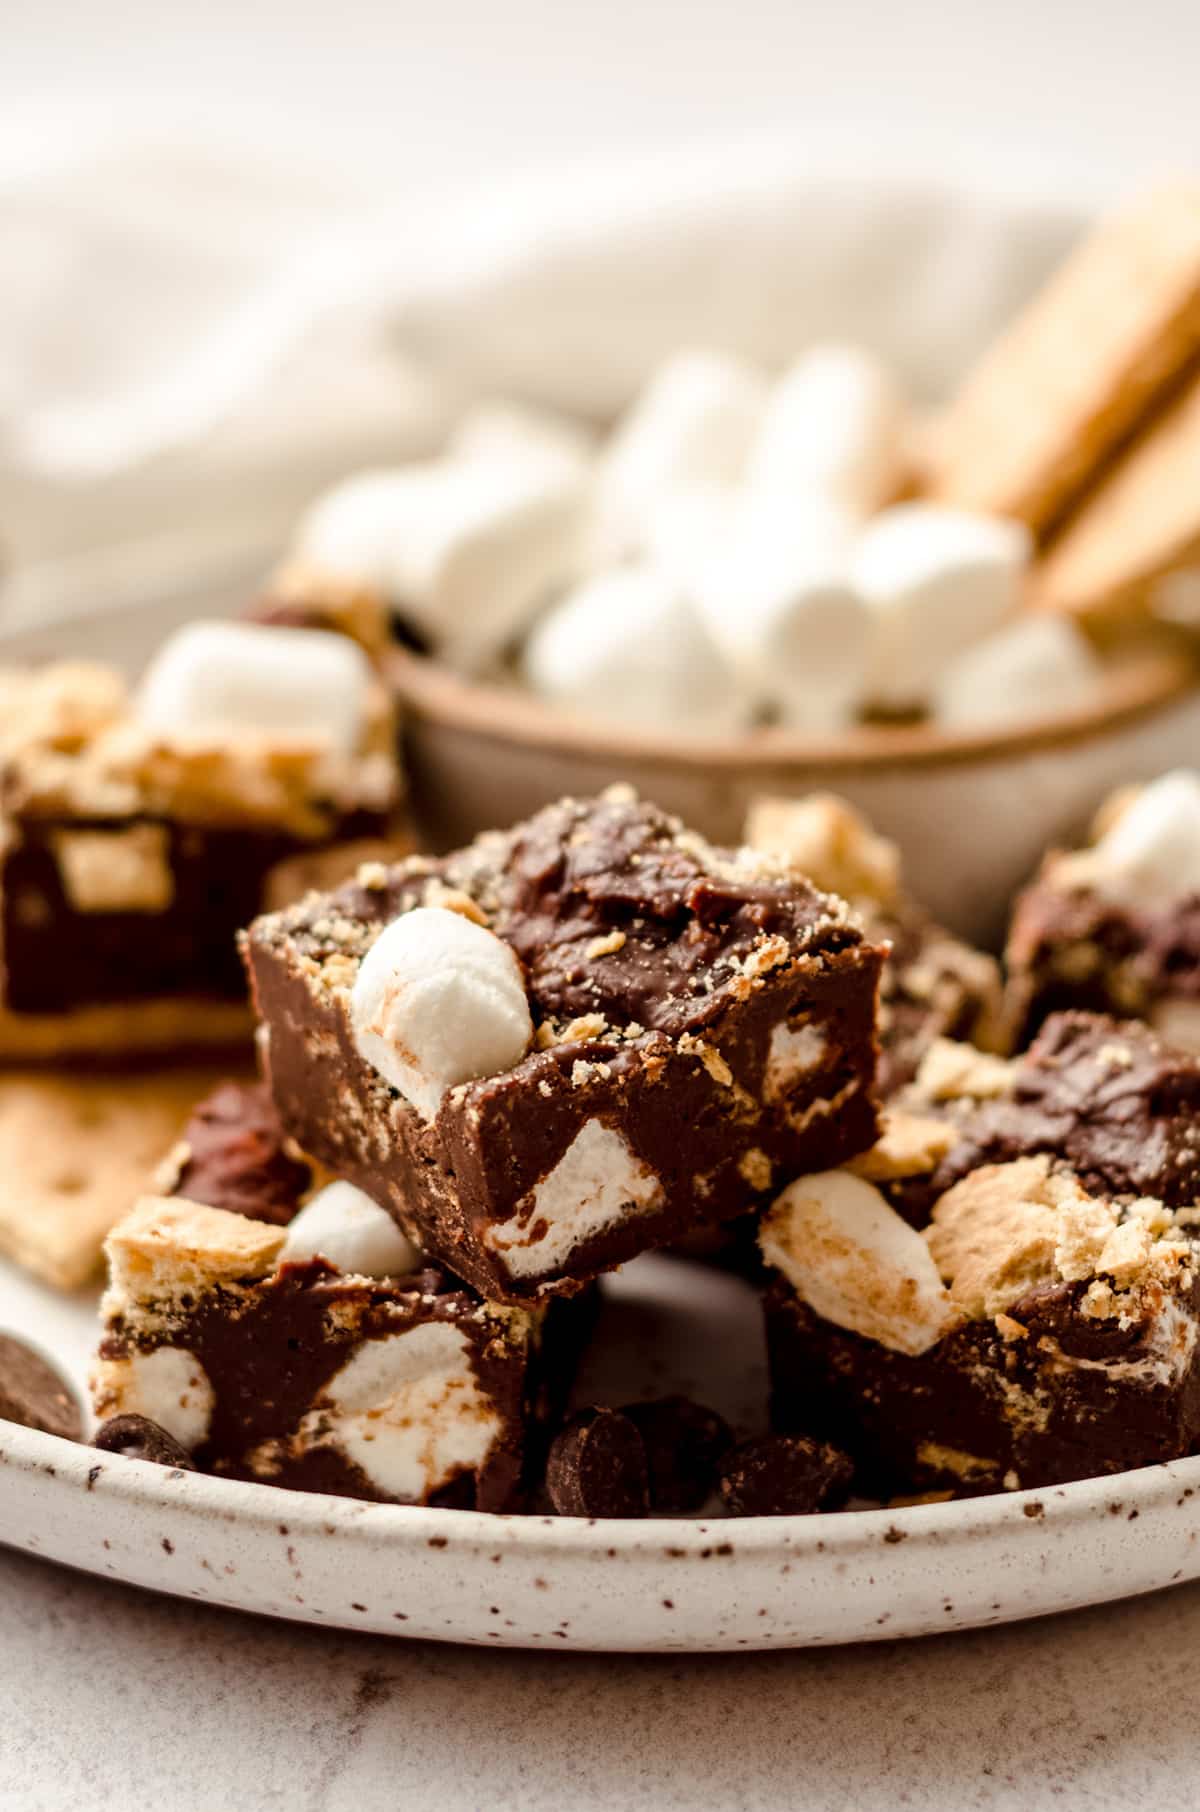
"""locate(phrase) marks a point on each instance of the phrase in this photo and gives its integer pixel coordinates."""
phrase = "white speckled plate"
(548, 1582)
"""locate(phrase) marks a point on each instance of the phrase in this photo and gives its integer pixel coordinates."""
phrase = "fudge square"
(401, 1389)
(1004, 1292)
(1115, 927)
(132, 853)
(671, 1031)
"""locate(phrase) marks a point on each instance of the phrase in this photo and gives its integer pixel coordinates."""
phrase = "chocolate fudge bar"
(1005, 1292)
(1115, 927)
(934, 985)
(702, 1027)
(403, 1389)
(128, 861)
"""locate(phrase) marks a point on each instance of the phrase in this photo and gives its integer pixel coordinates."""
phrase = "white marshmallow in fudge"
(937, 581)
(438, 1000)
(835, 426)
(1150, 850)
(854, 1260)
(465, 549)
(630, 646)
(217, 678)
(1037, 665)
(694, 421)
(343, 1225)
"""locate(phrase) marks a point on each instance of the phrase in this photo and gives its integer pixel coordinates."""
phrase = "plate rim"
(834, 1534)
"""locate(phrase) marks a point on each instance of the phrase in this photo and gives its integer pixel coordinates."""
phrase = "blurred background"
(182, 188)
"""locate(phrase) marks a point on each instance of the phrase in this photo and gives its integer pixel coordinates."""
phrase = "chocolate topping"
(1115, 1102)
(237, 1156)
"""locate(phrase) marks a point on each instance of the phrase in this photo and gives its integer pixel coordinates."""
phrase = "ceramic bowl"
(972, 811)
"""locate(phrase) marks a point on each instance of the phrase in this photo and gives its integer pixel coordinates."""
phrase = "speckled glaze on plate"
(553, 1582)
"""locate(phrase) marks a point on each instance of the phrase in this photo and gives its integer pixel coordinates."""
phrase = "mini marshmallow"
(507, 430)
(1152, 848)
(214, 678)
(694, 421)
(343, 1225)
(834, 425)
(937, 580)
(1036, 665)
(629, 646)
(850, 1256)
(778, 603)
(465, 549)
(439, 1000)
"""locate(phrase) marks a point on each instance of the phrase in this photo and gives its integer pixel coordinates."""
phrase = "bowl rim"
(1144, 681)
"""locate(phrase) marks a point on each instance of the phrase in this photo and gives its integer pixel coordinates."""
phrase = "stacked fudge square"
(492, 1077)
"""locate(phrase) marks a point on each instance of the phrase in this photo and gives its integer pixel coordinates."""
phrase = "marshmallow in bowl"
(936, 580)
(214, 678)
(694, 421)
(342, 1224)
(629, 645)
(439, 1000)
(835, 426)
(465, 549)
(1152, 848)
(778, 603)
(1037, 666)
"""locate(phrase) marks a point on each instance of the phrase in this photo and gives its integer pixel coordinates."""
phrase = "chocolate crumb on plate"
(785, 1475)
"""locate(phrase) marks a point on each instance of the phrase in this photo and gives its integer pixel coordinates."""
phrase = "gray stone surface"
(112, 1698)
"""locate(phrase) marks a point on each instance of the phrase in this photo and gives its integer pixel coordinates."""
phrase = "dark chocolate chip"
(685, 1443)
(597, 1466)
(784, 1475)
(140, 1439)
(35, 1395)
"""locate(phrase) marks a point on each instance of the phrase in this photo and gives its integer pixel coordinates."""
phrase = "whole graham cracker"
(1140, 522)
(76, 1151)
(1077, 372)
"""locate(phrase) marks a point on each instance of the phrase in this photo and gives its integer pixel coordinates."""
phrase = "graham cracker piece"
(1139, 523)
(75, 1154)
(1078, 371)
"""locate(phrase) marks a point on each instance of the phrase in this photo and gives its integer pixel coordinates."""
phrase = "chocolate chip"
(784, 1475)
(33, 1394)
(237, 1156)
(597, 1466)
(684, 1444)
(140, 1439)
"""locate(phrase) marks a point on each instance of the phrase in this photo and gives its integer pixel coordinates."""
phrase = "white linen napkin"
(191, 346)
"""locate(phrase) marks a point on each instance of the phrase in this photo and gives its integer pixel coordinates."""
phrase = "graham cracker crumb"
(909, 1145)
(605, 946)
(951, 1071)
